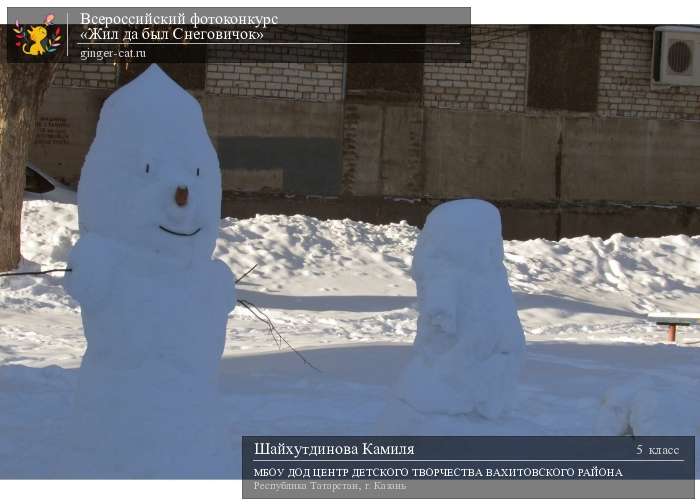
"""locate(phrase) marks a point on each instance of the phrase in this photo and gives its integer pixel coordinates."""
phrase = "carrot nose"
(181, 195)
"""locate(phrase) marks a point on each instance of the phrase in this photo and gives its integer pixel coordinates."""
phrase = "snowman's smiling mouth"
(177, 233)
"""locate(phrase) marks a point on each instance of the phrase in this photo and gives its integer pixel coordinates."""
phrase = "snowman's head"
(151, 179)
(459, 236)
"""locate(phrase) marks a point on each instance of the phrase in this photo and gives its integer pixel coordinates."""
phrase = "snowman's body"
(154, 304)
(181, 313)
(469, 343)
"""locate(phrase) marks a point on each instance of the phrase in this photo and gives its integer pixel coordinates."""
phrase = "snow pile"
(308, 250)
(154, 305)
(642, 273)
(469, 343)
(296, 254)
(49, 231)
(341, 281)
(649, 407)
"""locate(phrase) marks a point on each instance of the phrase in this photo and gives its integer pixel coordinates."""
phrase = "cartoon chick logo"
(40, 39)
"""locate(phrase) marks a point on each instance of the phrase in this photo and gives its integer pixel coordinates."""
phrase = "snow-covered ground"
(340, 292)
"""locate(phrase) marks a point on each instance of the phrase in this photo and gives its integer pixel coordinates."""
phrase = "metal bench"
(673, 320)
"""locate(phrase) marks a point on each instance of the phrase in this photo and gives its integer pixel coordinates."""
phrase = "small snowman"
(154, 303)
(469, 344)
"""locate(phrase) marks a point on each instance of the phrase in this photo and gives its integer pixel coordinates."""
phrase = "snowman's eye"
(148, 167)
(198, 172)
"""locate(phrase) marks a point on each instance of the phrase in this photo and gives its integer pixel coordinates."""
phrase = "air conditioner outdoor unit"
(676, 59)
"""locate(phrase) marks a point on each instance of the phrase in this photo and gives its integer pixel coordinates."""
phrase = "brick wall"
(244, 70)
(298, 81)
(625, 87)
(494, 80)
(83, 75)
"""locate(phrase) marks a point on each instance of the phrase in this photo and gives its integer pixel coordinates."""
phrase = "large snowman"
(154, 304)
(469, 344)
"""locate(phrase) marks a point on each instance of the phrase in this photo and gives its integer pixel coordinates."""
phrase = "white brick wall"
(239, 70)
(494, 80)
(625, 86)
(299, 81)
(85, 75)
